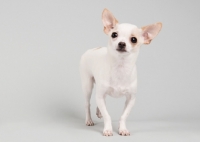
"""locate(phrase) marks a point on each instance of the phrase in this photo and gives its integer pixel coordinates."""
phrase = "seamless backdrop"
(41, 43)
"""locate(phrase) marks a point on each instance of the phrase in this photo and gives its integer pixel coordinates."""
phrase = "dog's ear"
(150, 32)
(108, 20)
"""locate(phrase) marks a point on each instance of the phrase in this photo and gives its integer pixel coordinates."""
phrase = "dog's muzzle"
(121, 47)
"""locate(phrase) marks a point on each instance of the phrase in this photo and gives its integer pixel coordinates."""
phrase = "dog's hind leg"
(87, 85)
(98, 113)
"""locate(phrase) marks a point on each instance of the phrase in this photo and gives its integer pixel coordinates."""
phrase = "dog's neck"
(121, 66)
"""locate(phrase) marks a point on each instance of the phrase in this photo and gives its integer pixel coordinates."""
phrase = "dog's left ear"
(150, 32)
(108, 20)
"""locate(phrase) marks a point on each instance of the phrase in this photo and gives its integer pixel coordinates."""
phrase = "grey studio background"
(41, 43)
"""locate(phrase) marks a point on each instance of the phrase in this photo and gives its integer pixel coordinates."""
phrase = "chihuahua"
(113, 68)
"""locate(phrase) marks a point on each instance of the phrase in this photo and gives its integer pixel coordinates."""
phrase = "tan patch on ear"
(151, 31)
(147, 42)
(115, 21)
(106, 31)
(158, 23)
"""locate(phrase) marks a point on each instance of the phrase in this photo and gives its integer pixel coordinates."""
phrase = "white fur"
(113, 72)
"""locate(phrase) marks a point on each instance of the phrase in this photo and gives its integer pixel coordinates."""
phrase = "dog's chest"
(119, 80)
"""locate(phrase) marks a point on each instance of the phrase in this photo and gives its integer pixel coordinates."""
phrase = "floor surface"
(74, 130)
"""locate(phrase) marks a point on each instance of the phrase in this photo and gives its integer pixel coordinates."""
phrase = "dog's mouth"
(121, 50)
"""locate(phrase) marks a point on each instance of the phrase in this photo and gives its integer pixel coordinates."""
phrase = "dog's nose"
(122, 45)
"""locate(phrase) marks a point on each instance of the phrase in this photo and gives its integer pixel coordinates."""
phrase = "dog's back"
(91, 60)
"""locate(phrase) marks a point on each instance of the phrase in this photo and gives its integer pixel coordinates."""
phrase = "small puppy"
(113, 68)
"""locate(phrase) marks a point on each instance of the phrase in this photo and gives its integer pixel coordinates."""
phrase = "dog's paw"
(98, 113)
(124, 132)
(107, 133)
(89, 122)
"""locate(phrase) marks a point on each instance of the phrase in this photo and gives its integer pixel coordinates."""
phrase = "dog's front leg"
(100, 99)
(130, 100)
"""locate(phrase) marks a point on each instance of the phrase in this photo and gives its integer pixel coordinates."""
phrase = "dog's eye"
(114, 35)
(133, 39)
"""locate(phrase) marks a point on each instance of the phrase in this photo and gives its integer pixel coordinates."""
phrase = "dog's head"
(126, 38)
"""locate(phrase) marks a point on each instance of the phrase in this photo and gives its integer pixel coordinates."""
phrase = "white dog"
(113, 68)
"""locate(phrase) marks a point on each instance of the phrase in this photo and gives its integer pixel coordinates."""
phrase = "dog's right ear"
(108, 20)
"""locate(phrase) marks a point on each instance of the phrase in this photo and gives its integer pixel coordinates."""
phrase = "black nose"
(122, 45)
